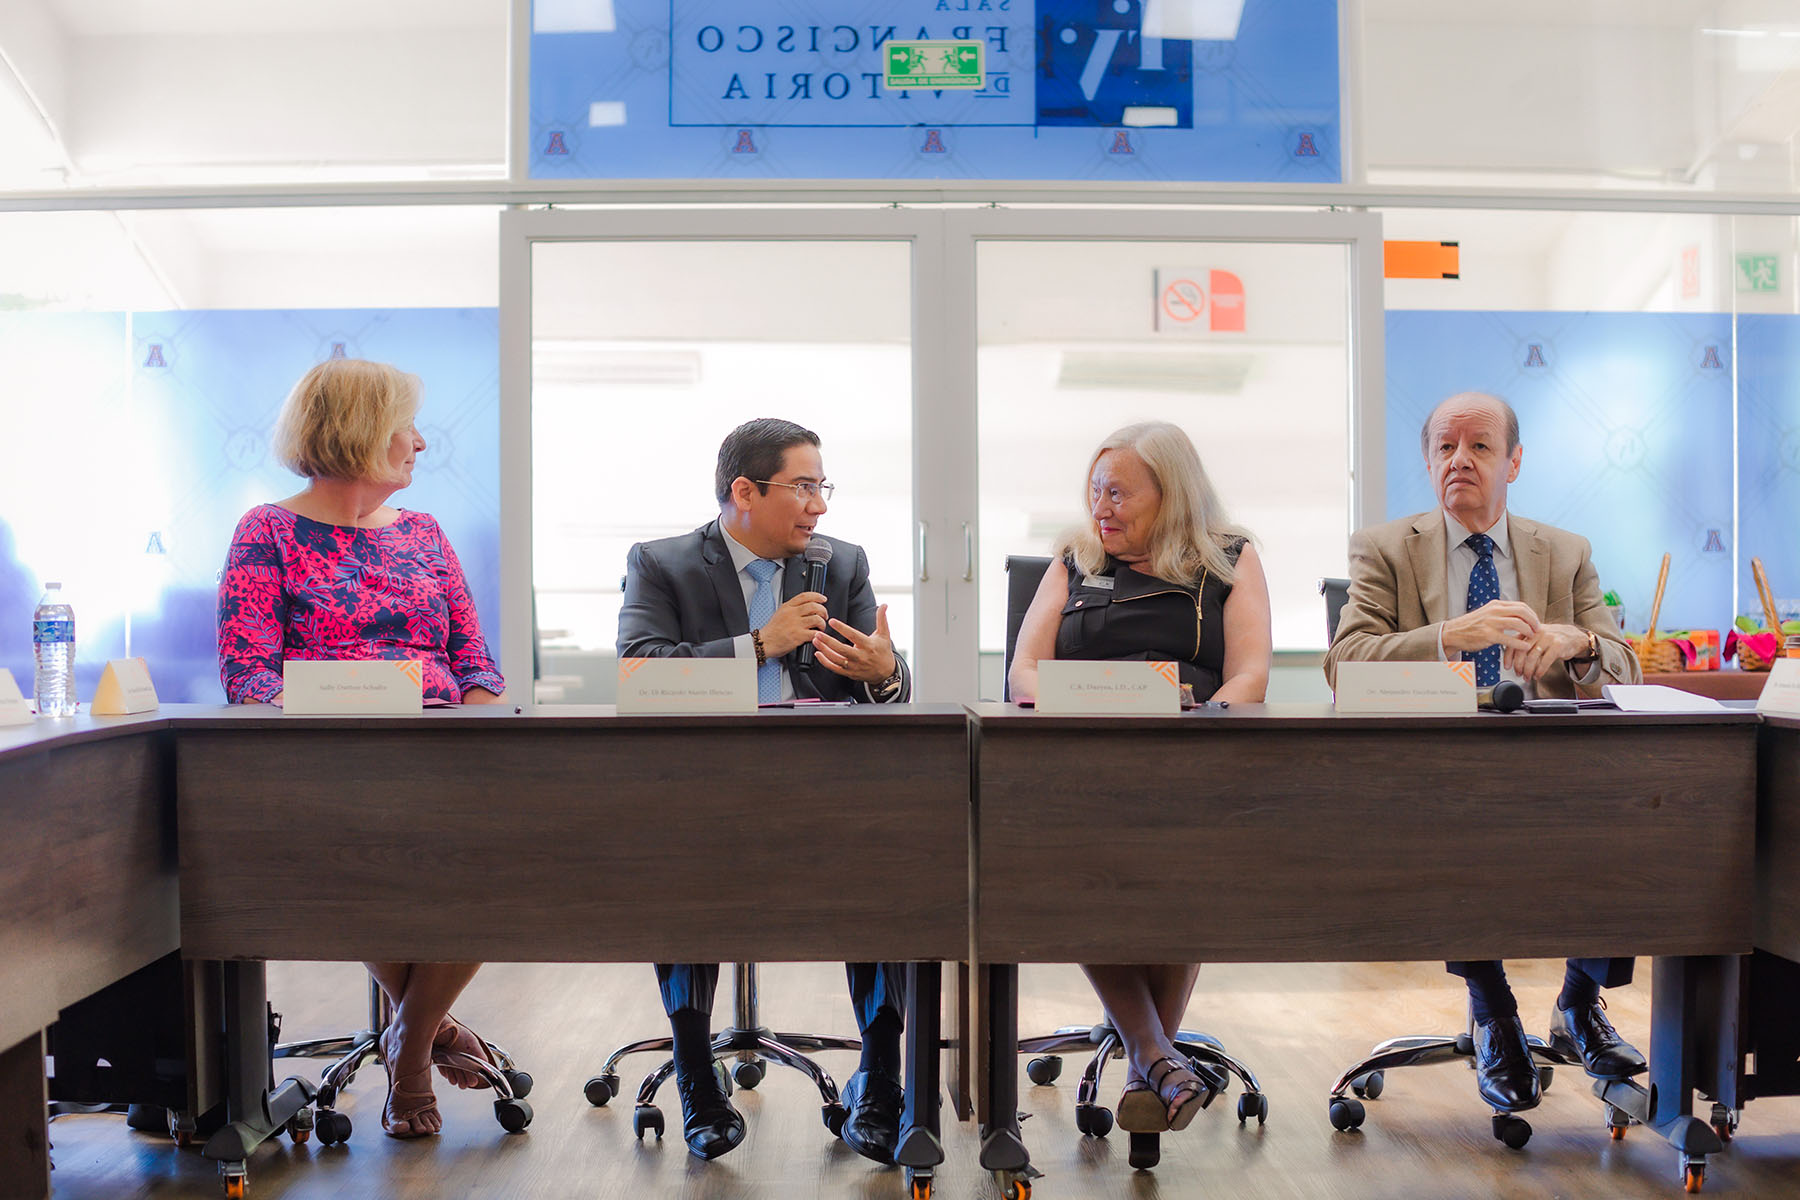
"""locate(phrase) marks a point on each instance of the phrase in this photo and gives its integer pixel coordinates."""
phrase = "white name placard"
(124, 687)
(1781, 693)
(1406, 687)
(380, 686)
(13, 709)
(1075, 686)
(687, 685)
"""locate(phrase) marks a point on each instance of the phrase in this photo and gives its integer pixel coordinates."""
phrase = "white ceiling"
(101, 18)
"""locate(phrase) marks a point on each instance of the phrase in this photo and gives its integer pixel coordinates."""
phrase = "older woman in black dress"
(1157, 574)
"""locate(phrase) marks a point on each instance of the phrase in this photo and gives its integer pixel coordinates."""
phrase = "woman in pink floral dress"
(333, 572)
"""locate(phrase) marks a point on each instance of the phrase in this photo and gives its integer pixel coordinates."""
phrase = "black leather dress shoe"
(1504, 1073)
(1586, 1032)
(709, 1122)
(872, 1126)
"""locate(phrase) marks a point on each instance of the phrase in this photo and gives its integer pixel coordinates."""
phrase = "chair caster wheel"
(236, 1180)
(834, 1116)
(1254, 1104)
(1723, 1121)
(600, 1089)
(1347, 1113)
(147, 1118)
(300, 1126)
(519, 1081)
(1546, 1074)
(1511, 1130)
(332, 1127)
(514, 1115)
(918, 1187)
(1693, 1177)
(1146, 1150)
(1044, 1069)
(1013, 1186)
(648, 1118)
(749, 1073)
(1093, 1120)
(1368, 1087)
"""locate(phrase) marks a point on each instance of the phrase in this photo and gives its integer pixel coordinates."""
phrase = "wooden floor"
(1296, 1026)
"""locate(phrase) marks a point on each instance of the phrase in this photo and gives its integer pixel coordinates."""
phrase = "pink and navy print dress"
(298, 588)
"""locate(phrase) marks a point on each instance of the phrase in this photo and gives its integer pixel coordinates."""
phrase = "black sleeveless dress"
(1122, 614)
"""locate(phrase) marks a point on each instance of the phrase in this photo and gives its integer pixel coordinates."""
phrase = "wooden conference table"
(482, 834)
(1309, 835)
(473, 834)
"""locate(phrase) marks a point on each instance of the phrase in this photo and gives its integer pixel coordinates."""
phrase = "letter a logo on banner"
(1712, 359)
(745, 143)
(1534, 356)
(1306, 148)
(934, 142)
(155, 358)
(556, 144)
(1121, 143)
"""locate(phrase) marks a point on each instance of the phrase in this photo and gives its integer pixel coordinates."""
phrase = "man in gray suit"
(1521, 600)
(736, 587)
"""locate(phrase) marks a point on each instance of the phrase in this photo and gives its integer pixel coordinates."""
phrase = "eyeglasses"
(807, 491)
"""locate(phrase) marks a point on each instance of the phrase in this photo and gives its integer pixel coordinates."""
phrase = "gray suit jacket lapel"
(725, 581)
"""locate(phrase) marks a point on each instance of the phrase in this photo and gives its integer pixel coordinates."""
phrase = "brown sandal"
(1178, 1087)
(1140, 1109)
(403, 1115)
(455, 1040)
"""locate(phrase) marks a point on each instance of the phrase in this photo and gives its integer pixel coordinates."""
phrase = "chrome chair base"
(352, 1051)
(1094, 1119)
(754, 1047)
(1367, 1078)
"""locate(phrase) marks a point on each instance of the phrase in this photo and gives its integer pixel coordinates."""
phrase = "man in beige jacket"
(1522, 601)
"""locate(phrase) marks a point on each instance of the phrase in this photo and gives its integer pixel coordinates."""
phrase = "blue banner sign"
(1070, 89)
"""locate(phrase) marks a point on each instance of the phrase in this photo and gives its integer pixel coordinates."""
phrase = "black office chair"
(750, 1041)
(1366, 1079)
(352, 1051)
(1023, 575)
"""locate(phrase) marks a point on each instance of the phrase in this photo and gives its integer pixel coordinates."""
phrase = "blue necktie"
(1484, 585)
(762, 611)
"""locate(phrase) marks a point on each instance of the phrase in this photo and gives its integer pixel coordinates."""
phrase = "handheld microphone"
(818, 554)
(1505, 696)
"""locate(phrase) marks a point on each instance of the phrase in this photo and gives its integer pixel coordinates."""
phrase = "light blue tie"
(1484, 585)
(762, 611)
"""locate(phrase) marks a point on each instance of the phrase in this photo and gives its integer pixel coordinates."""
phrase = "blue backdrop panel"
(193, 420)
(1769, 456)
(789, 89)
(1626, 423)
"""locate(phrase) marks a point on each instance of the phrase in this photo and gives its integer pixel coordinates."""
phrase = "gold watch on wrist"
(1593, 648)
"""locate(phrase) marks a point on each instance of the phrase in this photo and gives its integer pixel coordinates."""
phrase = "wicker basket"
(1659, 656)
(1750, 660)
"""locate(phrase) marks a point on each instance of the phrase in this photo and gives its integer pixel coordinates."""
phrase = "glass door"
(654, 335)
(1240, 328)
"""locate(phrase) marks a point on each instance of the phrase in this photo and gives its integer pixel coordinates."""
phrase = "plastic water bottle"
(53, 644)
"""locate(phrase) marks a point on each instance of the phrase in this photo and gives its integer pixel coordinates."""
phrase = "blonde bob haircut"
(341, 416)
(1191, 531)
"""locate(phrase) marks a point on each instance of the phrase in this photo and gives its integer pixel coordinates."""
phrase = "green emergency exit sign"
(933, 64)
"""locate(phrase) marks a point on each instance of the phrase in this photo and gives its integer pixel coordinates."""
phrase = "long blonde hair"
(340, 417)
(1191, 531)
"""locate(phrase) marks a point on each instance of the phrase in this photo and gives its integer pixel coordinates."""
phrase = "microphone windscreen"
(818, 550)
(1508, 696)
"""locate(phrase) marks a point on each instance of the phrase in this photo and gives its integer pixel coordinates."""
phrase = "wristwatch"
(1593, 648)
(888, 686)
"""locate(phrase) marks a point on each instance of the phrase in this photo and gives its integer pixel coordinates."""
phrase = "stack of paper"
(1655, 698)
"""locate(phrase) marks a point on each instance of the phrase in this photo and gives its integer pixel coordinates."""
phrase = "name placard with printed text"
(124, 688)
(382, 687)
(1406, 687)
(13, 709)
(1780, 696)
(1070, 686)
(687, 685)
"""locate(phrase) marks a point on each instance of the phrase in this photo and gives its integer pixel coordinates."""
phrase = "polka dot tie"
(762, 611)
(1484, 585)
